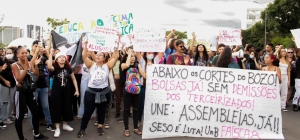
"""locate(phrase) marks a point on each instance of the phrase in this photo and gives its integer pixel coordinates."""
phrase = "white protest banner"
(208, 102)
(100, 42)
(230, 37)
(149, 40)
(296, 34)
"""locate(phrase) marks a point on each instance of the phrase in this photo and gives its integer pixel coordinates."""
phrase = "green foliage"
(2, 45)
(181, 35)
(282, 16)
(57, 22)
(287, 42)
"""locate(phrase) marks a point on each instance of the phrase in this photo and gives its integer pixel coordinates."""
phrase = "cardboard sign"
(296, 34)
(149, 40)
(230, 37)
(208, 102)
(100, 42)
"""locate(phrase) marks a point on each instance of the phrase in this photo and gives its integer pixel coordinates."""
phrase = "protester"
(179, 58)
(201, 56)
(251, 62)
(220, 49)
(133, 70)
(269, 50)
(292, 60)
(24, 96)
(84, 85)
(41, 92)
(8, 88)
(98, 93)
(297, 79)
(145, 59)
(271, 65)
(284, 66)
(226, 61)
(170, 45)
(119, 86)
(61, 96)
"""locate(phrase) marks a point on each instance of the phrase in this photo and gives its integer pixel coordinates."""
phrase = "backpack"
(29, 81)
(133, 80)
(174, 57)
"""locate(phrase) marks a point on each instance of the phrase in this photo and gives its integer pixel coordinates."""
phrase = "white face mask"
(9, 56)
(150, 56)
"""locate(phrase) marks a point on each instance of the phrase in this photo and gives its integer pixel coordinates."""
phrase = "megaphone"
(239, 54)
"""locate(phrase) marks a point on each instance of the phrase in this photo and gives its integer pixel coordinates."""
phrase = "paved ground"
(291, 130)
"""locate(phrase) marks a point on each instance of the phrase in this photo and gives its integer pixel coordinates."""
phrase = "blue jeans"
(42, 95)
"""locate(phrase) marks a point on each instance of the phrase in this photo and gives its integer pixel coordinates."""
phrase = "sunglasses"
(290, 52)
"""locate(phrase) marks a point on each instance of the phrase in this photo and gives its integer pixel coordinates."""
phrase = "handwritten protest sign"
(122, 22)
(149, 40)
(100, 42)
(207, 102)
(296, 34)
(73, 31)
(230, 37)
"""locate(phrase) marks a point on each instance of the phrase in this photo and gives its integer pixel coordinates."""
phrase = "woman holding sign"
(132, 72)
(98, 93)
(145, 59)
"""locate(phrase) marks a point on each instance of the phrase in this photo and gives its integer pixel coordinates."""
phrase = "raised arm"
(88, 63)
(169, 37)
(127, 63)
(111, 63)
(142, 72)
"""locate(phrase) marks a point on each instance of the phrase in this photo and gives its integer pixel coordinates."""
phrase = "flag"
(77, 57)
(59, 41)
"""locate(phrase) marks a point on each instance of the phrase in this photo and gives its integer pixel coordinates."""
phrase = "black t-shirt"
(8, 75)
(297, 72)
(62, 77)
(42, 82)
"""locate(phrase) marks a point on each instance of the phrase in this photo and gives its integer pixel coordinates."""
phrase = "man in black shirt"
(297, 80)
(41, 92)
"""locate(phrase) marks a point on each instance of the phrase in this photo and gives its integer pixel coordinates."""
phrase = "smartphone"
(41, 44)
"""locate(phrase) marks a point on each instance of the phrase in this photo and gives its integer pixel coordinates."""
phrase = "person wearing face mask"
(8, 87)
(250, 61)
(145, 59)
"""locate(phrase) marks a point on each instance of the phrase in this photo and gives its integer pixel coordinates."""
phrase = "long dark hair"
(225, 58)
(197, 55)
(67, 65)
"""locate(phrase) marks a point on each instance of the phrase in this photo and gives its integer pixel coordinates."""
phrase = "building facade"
(253, 16)
(9, 33)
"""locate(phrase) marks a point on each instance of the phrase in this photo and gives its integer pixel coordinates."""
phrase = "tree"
(181, 35)
(2, 45)
(282, 16)
(57, 22)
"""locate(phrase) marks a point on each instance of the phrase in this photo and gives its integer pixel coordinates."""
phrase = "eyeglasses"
(290, 52)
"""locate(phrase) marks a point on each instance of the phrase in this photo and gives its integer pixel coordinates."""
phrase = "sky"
(205, 17)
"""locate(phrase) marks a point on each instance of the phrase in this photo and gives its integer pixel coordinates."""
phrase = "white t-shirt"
(99, 76)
